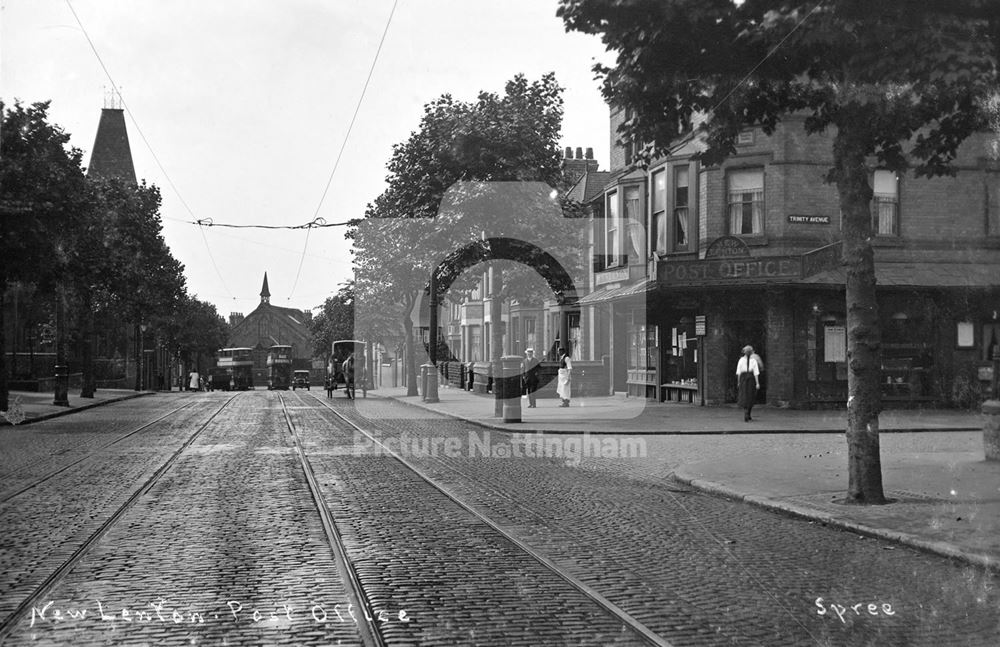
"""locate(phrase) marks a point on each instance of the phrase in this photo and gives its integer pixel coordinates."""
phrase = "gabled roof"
(588, 186)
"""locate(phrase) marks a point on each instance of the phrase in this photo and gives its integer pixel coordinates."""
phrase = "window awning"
(605, 294)
(925, 275)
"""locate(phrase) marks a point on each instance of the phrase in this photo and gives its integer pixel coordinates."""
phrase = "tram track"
(642, 632)
(90, 453)
(367, 628)
(10, 623)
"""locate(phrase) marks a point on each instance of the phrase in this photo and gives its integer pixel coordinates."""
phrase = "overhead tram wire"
(343, 144)
(145, 141)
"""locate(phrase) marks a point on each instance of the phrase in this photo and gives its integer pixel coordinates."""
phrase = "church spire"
(265, 293)
(112, 155)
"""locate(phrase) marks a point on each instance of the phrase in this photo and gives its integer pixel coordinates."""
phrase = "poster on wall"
(835, 344)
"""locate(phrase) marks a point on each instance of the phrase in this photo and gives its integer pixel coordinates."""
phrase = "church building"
(270, 325)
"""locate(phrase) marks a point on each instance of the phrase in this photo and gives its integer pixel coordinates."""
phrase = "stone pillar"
(991, 429)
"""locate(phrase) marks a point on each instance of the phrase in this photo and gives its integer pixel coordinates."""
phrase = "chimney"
(569, 153)
(235, 318)
(590, 153)
(579, 153)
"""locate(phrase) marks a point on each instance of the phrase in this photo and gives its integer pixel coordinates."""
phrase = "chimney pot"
(579, 153)
(590, 153)
(569, 152)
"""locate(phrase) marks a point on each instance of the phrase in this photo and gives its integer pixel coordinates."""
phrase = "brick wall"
(780, 360)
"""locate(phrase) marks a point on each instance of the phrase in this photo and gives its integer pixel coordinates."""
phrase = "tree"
(336, 321)
(194, 330)
(41, 192)
(511, 137)
(900, 85)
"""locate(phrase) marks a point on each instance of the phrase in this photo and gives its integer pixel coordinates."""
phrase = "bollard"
(991, 429)
(430, 383)
(61, 398)
(511, 388)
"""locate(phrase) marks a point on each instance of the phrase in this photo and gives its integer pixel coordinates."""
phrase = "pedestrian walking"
(193, 381)
(748, 381)
(529, 373)
(563, 385)
(349, 376)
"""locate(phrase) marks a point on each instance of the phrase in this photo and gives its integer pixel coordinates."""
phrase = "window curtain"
(634, 223)
(746, 192)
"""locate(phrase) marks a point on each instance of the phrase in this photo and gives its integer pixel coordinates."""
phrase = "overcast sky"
(246, 103)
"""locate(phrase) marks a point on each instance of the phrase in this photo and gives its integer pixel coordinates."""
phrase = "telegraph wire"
(145, 141)
(343, 144)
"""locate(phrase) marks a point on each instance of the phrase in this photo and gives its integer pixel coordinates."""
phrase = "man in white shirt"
(748, 381)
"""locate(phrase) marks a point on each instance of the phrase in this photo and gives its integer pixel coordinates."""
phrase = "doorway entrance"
(738, 334)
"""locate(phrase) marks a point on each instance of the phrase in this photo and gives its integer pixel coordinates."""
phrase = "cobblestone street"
(288, 518)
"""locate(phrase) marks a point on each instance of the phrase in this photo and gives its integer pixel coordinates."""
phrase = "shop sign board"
(699, 325)
(732, 270)
(611, 276)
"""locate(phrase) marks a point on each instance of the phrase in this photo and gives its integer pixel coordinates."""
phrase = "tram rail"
(644, 633)
(89, 455)
(10, 623)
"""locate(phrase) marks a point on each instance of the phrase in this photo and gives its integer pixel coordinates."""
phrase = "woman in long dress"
(565, 370)
(748, 381)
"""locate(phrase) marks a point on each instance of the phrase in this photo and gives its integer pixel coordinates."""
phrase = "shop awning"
(922, 275)
(605, 294)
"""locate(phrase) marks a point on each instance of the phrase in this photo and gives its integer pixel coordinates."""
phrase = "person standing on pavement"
(328, 384)
(530, 373)
(563, 385)
(748, 381)
(194, 381)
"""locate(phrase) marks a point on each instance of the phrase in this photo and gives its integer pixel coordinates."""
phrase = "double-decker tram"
(238, 363)
(279, 367)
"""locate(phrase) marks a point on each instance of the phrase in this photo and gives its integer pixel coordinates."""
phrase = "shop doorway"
(738, 334)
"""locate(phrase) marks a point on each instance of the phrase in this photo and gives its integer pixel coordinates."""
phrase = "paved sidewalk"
(946, 496)
(26, 407)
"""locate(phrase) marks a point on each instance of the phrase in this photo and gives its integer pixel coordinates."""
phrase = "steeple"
(112, 156)
(265, 294)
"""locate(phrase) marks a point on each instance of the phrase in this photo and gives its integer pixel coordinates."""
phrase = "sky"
(237, 110)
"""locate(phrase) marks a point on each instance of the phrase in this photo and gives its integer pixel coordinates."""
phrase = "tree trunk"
(87, 347)
(138, 356)
(864, 400)
(411, 369)
(4, 389)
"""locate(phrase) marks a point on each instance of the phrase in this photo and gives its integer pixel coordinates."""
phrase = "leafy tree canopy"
(910, 74)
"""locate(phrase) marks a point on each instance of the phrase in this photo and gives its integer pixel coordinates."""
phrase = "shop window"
(885, 204)
(991, 340)
(643, 349)
(681, 212)
(659, 201)
(746, 201)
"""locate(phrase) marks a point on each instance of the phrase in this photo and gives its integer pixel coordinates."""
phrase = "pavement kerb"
(516, 428)
(68, 410)
(942, 549)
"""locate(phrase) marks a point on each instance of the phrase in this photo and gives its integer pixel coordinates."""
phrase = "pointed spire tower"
(112, 155)
(265, 293)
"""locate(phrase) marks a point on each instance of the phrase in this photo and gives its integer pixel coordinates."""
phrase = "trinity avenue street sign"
(809, 220)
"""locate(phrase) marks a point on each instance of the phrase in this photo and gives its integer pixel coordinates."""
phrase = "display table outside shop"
(678, 391)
